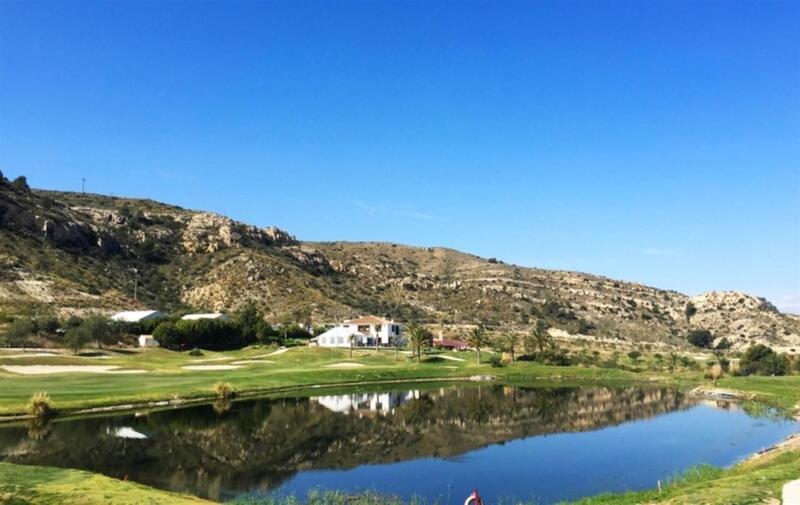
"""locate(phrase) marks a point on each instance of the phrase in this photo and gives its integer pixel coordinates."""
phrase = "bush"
(168, 336)
(762, 360)
(495, 361)
(77, 338)
(195, 352)
(723, 344)
(224, 390)
(634, 355)
(21, 183)
(210, 334)
(700, 338)
(39, 405)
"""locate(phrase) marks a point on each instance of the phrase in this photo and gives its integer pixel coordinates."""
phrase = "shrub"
(700, 338)
(762, 360)
(195, 352)
(224, 390)
(168, 336)
(21, 183)
(76, 338)
(211, 334)
(495, 361)
(634, 355)
(39, 405)
(723, 344)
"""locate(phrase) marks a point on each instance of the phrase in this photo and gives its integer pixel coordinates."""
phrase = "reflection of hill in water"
(258, 444)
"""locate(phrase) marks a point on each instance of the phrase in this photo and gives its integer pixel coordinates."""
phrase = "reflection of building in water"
(366, 403)
(722, 405)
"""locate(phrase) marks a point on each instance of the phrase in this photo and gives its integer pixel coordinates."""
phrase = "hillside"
(75, 253)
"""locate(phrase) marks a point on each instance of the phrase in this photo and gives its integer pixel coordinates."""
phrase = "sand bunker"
(250, 361)
(224, 358)
(29, 355)
(279, 351)
(210, 367)
(345, 365)
(51, 369)
(451, 358)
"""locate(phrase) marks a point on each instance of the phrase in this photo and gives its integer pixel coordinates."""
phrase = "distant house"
(147, 341)
(211, 315)
(137, 316)
(368, 331)
(450, 344)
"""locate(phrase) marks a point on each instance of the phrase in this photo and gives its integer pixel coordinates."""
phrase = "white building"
(366, 403)
(368, 331)
(136, 316)
(211, 315)
(147, 341)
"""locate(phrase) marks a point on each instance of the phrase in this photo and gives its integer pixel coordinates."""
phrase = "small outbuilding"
(137, 316)
(211, 315)
(147, 341)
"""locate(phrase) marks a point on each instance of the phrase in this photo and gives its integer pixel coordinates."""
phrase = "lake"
(435, 442)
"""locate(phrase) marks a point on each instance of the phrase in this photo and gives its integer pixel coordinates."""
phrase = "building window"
(340, 340)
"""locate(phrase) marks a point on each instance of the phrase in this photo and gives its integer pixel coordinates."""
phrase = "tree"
(507, 342)
(397, 342)
(167, 335)
(97, 329)
(19, 331)
(418, 337)
(700, 338)
(21, 183)
(539, 339)
(762, 360)
(716, 372)
(477, 338)
(77, 338)
(351, 339)
(690, 310)
(249, 319)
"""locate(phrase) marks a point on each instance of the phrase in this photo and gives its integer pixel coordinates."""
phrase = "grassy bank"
(161, 374)
(56, 486)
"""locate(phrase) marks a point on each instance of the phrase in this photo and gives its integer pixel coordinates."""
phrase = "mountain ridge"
(69, 253)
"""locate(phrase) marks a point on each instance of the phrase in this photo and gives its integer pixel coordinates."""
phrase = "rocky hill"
(72, 253)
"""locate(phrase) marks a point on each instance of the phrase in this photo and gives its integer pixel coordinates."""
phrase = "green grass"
(309, 366)
(45, 485)
(165, 378)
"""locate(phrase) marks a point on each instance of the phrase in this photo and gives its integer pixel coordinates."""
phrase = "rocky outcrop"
(208, 233)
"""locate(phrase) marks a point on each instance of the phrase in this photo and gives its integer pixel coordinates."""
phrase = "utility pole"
(135, 283)
(83, 184)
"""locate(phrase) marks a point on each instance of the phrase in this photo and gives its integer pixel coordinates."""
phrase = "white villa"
(136, 316)
(368, 331)
(211, 315)
(366, 403)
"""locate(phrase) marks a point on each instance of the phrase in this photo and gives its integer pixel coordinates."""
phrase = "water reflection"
(218, 451)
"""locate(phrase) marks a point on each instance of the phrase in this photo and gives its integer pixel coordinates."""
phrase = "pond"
(435, 442)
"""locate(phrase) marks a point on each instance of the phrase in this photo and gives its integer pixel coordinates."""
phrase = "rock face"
(68, 252)
(206, 232)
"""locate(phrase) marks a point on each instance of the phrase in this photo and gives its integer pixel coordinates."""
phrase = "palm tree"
(540, 337)
(476, 338)
(418, 337)
(507, 343)
(351, 340)
(397, 342)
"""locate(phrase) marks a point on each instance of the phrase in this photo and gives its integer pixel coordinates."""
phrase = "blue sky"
(649, 141)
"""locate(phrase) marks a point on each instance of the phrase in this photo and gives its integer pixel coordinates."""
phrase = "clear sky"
(650, 141)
